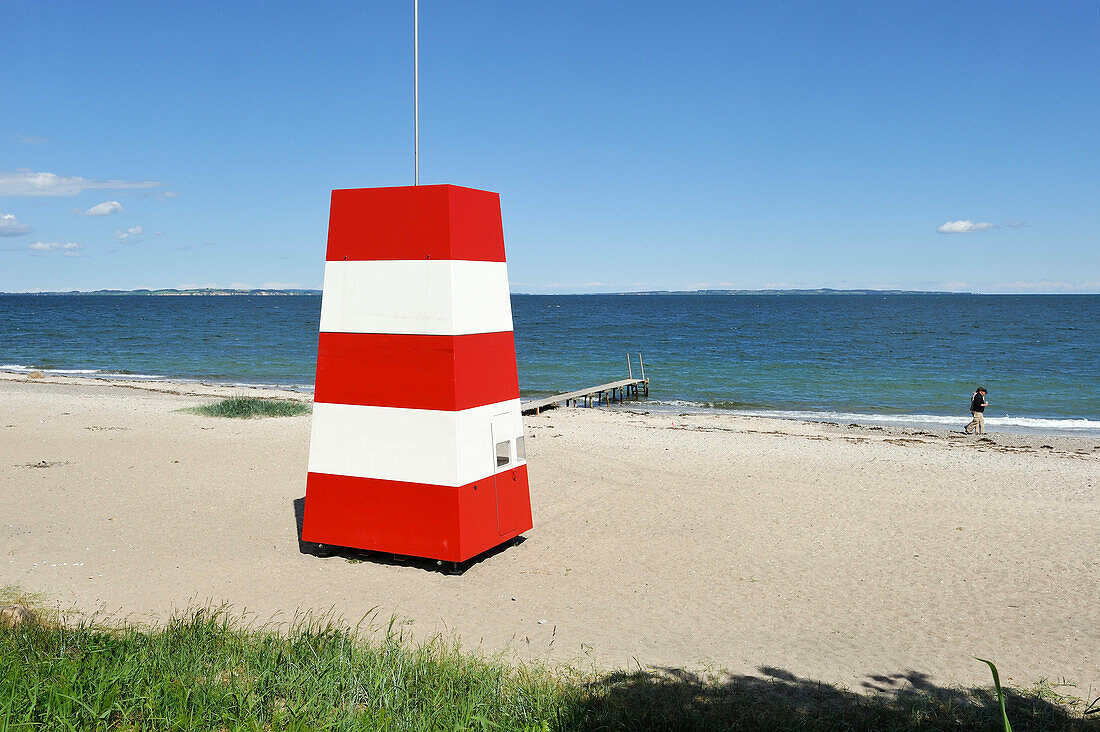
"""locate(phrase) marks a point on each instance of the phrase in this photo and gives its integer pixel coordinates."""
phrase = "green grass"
(1000, 692)
(206, 671)
(246, 407)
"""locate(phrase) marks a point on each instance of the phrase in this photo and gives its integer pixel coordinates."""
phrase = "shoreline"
(902, 422)
(179, 387)
(1024, 426)
(698, 541)
(140, 380)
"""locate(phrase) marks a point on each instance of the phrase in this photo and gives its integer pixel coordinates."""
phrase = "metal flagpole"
(416, 93)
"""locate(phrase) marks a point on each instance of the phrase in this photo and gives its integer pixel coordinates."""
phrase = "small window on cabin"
(521, 449)
(504, 453)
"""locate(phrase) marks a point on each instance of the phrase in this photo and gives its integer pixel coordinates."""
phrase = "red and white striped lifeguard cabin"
(417, 443)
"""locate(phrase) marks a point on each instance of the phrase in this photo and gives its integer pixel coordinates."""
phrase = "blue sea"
(879, 359)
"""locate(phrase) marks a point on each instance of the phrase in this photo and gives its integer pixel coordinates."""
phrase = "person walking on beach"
(977, 411)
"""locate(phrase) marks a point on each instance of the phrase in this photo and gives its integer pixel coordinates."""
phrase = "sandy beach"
(847, 554)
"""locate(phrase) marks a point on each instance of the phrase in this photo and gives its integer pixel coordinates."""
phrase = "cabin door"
(504, 462)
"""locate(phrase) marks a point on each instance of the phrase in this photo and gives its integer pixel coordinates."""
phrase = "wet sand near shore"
(830, 551)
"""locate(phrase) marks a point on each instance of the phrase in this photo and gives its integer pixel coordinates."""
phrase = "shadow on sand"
(674, 699)
(386, 558)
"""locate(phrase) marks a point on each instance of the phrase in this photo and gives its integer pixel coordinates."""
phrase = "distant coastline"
(200, 292)
(224, 292)
(808, 291)
(261, 292)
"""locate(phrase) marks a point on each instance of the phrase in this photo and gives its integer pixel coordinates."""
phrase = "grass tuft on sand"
(205, 670)
(248, 407)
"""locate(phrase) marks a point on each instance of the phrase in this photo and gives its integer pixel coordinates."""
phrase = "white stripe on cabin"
(418, 297)
(412, 445)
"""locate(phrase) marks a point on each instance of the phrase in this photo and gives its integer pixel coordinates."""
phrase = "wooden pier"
(595, 395)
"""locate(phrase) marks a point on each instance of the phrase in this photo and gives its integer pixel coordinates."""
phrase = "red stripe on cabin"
(448, 373)
(415, 222)
(442, 522)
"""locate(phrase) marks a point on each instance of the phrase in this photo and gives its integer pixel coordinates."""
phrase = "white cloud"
(128, 235)
(280, 286)
(9, 226)
(29, 183)
(30, 139)
(55, 246)
(239, 286)
(103, 209)
(965, 227)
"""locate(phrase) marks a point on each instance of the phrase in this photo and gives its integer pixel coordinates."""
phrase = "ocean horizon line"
(304, 291)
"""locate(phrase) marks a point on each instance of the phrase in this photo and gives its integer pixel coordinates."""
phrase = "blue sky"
(635, 145)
